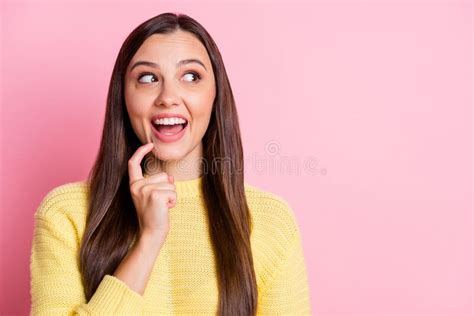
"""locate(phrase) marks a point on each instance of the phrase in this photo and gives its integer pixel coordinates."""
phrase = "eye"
(195, 74)
(152, 78)
(146, 75)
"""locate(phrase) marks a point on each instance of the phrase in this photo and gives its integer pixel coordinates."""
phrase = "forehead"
(172, 47)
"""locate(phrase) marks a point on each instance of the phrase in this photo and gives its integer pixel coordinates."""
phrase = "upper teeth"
(169, 121)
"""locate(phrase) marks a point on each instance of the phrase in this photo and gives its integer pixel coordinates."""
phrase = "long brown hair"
(112, 222)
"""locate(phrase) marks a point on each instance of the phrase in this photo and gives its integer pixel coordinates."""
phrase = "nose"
(168, 95)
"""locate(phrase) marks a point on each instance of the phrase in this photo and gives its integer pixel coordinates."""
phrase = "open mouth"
(169, 127)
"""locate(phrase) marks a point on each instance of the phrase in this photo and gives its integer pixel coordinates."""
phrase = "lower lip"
(168, 138)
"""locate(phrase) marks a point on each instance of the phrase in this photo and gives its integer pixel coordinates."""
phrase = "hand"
(152, 196)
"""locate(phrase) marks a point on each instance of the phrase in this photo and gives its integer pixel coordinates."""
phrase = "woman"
(165, 224)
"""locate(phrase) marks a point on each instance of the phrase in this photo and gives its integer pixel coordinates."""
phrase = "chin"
(168, 154)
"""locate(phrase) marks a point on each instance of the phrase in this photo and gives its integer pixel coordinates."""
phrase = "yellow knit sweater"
(183, 280)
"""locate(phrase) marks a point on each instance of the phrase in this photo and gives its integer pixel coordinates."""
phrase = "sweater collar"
(184, 188)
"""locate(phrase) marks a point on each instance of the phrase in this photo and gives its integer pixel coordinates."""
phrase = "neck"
(185, 169)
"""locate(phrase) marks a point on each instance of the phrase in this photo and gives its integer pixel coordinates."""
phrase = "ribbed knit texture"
(183, 280)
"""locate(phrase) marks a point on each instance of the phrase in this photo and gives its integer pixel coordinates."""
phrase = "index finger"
(134, 168)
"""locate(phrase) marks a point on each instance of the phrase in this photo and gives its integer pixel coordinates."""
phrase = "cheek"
(135, 105)
(201, 114)
(203, 105)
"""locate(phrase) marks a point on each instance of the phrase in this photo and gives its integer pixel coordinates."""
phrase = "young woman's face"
(171, 81)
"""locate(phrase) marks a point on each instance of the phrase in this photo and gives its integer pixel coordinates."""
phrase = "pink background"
(371, 100)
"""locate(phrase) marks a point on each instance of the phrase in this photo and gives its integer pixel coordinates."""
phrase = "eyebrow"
(179, 63)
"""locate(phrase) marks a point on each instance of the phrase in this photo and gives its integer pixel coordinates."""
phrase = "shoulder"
(69, 197)
(271, 213)
(59, 223)
(262, 196)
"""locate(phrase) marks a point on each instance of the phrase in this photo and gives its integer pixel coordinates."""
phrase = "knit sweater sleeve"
(287, 291)
(55, 285)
